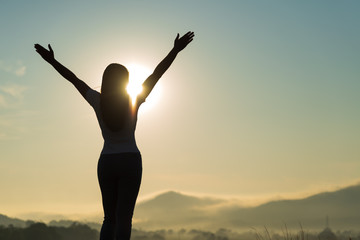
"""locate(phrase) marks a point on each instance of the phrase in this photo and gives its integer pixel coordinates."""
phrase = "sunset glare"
(137, 75)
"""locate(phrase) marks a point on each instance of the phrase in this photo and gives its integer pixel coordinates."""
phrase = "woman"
(120, 164)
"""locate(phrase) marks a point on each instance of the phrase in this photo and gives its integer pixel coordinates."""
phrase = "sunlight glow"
(137, 75)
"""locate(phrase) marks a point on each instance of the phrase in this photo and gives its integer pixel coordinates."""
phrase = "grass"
(286, 234)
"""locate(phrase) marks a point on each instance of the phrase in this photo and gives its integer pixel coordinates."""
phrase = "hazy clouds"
(18, 68)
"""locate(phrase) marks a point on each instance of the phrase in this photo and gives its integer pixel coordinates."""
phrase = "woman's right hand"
(47, 55)
(181, 43)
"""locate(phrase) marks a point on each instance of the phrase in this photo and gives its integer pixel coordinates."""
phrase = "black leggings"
(119, 177)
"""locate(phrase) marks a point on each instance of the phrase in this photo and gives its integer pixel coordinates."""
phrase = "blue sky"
(263, 103)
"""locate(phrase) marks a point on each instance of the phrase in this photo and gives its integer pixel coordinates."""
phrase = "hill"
(176, 210)
(342, 206)
(6, 221)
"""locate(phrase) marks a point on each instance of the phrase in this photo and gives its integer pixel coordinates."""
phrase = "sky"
(264, 103)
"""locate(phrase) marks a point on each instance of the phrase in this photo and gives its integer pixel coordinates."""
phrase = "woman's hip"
(120, 165)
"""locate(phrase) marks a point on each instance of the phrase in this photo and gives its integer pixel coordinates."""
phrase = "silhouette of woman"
(120, 163)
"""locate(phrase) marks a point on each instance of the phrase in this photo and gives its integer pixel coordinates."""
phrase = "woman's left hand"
(47, 55)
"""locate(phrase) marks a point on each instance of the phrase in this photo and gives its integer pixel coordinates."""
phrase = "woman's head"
(114, 100)
(115, 79)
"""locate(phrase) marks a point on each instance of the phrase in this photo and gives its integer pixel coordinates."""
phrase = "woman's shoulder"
(140, 99)
(92, 97)
(91, 91)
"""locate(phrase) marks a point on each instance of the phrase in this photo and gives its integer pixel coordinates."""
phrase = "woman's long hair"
(114, 100)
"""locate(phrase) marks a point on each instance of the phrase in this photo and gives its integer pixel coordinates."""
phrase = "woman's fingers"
(50, 48)
(189, 34)
(38, 47)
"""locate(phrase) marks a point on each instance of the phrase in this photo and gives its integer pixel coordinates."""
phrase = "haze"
(264, 103)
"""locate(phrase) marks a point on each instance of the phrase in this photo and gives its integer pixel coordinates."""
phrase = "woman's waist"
(111, 147)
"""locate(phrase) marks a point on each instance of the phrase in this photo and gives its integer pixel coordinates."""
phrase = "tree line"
(78, 231)
(40, 231)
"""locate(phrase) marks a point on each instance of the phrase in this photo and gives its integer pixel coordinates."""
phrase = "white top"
(119, 141)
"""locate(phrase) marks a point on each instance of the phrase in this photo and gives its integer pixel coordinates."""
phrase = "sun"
(137, 75)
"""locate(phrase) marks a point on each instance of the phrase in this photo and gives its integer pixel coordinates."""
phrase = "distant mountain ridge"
(172, 199)
(176, 210)
(6, 221)
(343, 207)
(173, 210)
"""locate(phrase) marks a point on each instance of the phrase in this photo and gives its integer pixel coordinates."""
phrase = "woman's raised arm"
(48, 55)
(179, 44)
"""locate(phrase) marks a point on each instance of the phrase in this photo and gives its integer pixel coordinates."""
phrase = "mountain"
(176, 210)
(68, 223)
(6, 221)
(342, 206)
